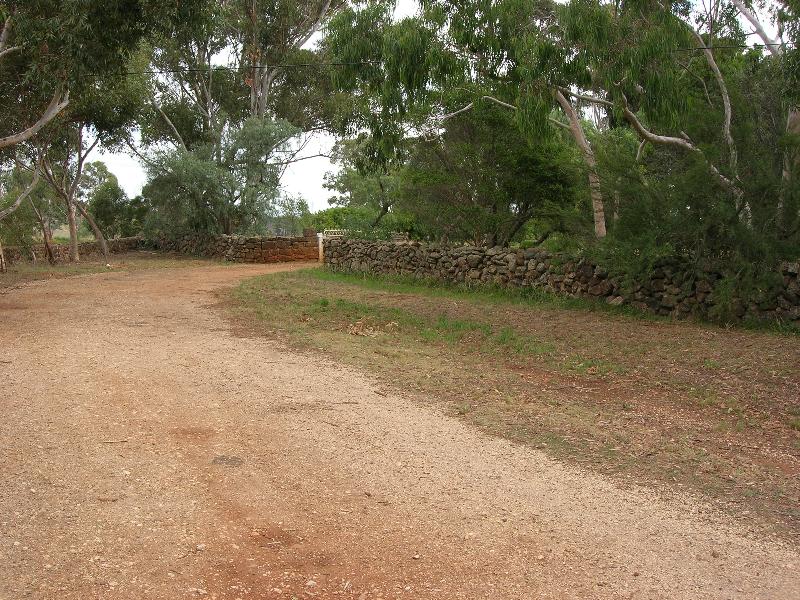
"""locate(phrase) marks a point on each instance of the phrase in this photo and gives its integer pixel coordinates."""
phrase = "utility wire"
(250, 67)
(373, 62)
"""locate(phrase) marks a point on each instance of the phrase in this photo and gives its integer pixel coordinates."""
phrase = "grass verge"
(679, 406)
(24, 272)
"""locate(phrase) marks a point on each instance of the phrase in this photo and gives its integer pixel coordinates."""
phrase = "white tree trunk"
(57, 104)
(98, 234)
(595, 192)
(4, 213)
(73, 232)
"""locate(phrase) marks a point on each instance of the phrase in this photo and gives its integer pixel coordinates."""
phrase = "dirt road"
(150, 453)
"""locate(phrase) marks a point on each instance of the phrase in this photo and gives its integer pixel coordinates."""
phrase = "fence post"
(320, 237)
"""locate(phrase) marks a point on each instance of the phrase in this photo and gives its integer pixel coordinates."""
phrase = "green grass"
(525, 296)
(480, 292)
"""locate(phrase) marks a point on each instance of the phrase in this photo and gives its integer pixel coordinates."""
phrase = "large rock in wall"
(668, 291)
(61, 251)
(244, 249)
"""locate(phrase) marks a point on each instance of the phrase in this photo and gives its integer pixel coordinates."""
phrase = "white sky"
(304, 178)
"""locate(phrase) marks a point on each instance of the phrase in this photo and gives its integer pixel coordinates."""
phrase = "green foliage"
(230, 191)
(479, 182)
(112, 210)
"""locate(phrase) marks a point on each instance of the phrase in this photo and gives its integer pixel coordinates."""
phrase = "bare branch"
(774, 48)
(640, 150)
(579, 136)
(558, 123)
(587, 98)
(733, 157)
(469, 106)
(500, 102)
(5, 33)
(316, 25)
(9, 51)
(169, 123)
(680, 142)
(57, 104)
(21, 198)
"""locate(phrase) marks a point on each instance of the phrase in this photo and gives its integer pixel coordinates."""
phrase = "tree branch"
(558, 123)
(733, 157)
(680, 142)
(469, 106)
(500, 102)
(774, 48)
(169, 123)
(5, 33)
(640, 150)
(315, 26)
(587, 98)
(57, 104)
(21, 198)
(9, 51)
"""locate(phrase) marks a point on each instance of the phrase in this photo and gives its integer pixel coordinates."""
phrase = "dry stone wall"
(244, 249)
(61, 251)
(668, 291)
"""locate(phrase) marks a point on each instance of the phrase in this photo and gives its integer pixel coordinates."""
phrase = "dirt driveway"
(149, 453)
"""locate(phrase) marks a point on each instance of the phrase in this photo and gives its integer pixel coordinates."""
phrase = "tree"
(266, 82)
(442, 64)
(73, 52)
(235, 193)
(478, 182)
(104, 199)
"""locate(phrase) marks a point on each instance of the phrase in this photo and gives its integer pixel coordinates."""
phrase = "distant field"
(679, 406)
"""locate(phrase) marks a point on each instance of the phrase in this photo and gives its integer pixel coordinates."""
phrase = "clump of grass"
(452, 331)
(522, 344)
(592, 366)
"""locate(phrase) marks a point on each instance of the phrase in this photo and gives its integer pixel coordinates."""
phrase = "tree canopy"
(631, 129)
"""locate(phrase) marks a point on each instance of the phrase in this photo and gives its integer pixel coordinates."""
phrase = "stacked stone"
(244, 249)
(669, 290)
(61, 251)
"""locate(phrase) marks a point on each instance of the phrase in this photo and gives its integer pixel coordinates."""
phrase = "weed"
(591, 366)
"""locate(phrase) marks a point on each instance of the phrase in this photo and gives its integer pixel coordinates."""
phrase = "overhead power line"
(246, 68)
(250, 67)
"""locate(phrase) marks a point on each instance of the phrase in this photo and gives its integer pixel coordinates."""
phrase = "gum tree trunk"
(73, 232)
(598, 208)
(98, 235)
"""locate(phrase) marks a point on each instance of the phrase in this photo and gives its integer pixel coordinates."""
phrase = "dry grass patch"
(24, 272)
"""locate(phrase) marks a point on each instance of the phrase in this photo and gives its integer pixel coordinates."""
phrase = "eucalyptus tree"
(642, 64)
(357, 184)
(450, 58)
(103, 114)
(53, 56)
(236, 193)
(789, 19)
(48, 47)
(480, 183)
(241, 70)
